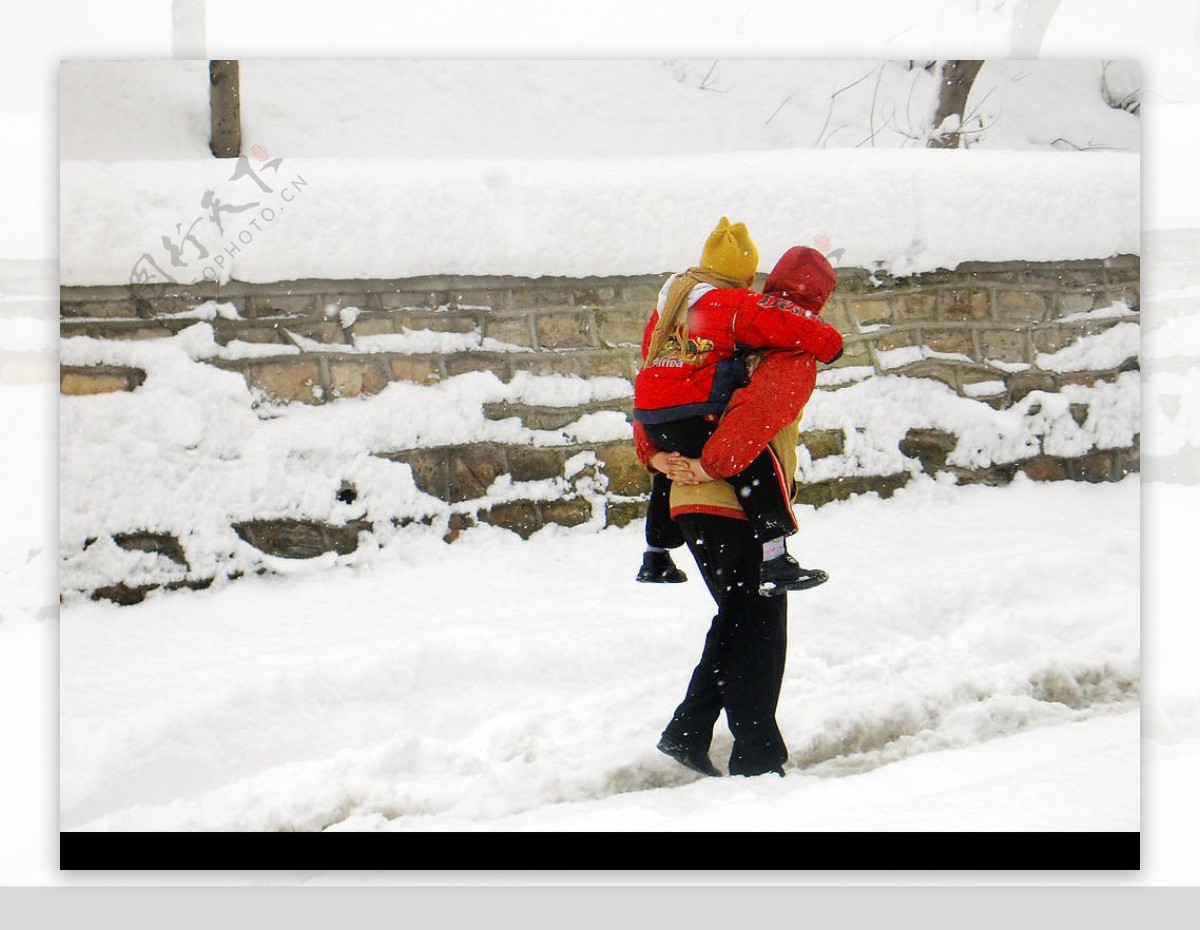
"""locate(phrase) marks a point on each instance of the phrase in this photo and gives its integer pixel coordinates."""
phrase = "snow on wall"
(904, 210)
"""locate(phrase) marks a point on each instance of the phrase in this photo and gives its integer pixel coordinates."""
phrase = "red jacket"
(782, 381)
(723, 323)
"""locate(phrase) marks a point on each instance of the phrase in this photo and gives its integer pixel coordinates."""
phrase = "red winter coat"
(782, 381)
(722, 324)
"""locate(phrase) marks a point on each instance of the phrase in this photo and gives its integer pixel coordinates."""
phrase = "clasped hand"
(680, 468)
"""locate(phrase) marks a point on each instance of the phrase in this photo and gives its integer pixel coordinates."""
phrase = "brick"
(564, 330)
(915, 307)
(382, 325)
(933, 370)
(404, 299)
(472, 469)
(641, 295)
(1074, 302)
(1020, 306)
(351, 378)
(545, 292)
(429, 469)
(123, 594)
(300, 539)
(293, 380)
(995, 476)
(593, 295)
(622, 513)
(327, 332)
(486, 298)
(117, 308)
(888, 339)
(331, 305)
(226, 331)
(1045, 468)
(1005, 345)
(1086, 378)
(1022, 383)
(1128, 460)
(463, 362)
(836, 489)
(75, 385)
(1053, 338)
(1130, 294)
(513, 330)
(614, 363)
(929, 446)
(532, 463)
(571, 512)
(440, 322)
(164, 544)
(415, 368)
(837, 315)
(521, 517)
(822, 443)
(964, 305)
(273, 304)
(99, 379)
(871, 311)
(854, 352)
(949, 340)
(1094, 468)
(139, 332)
(626, 475)
(621, 327)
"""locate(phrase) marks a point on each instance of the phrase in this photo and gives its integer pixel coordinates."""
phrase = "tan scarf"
(672, 321)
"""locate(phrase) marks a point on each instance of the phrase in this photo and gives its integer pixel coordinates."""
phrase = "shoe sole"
(683, 760)
(770, 589)
(653, 579)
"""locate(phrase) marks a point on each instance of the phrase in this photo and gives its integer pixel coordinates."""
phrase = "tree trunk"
(226, 139)
(956, 80)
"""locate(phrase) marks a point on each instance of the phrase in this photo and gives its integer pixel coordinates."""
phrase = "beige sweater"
(718, 497)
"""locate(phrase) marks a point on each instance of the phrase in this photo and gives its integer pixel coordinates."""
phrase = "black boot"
(659, 568)
(692, 759)
(785, 574)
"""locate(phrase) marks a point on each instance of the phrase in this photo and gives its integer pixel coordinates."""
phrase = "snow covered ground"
(972, 664)
(1170, 737)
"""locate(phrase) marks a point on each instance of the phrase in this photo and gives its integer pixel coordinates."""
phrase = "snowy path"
(973, 664)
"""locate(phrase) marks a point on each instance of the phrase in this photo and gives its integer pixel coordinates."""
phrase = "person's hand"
(673, 465)
(695, 473)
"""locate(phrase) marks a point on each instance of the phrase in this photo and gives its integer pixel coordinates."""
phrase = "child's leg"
(661, 531)
(762, 490)
(686, 437)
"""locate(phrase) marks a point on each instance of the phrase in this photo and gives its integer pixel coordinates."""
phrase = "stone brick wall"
(1006, 312)
(978, 329)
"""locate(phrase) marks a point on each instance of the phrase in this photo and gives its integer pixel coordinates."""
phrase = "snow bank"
(907, 211)
(194, 450)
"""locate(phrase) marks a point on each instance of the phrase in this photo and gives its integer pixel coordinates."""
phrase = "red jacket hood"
(804, 276)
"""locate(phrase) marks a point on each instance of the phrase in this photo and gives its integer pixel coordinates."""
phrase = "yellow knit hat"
(729, 252)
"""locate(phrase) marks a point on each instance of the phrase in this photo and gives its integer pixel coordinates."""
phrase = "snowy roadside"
(454, 687)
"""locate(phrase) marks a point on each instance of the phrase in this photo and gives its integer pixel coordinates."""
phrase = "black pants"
(741, 667)
(761, 487)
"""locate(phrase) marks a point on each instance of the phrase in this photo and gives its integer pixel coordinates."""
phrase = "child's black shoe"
(659, 568)
(785, 574)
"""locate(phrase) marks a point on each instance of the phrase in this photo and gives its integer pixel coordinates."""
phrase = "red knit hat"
(803, 276)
